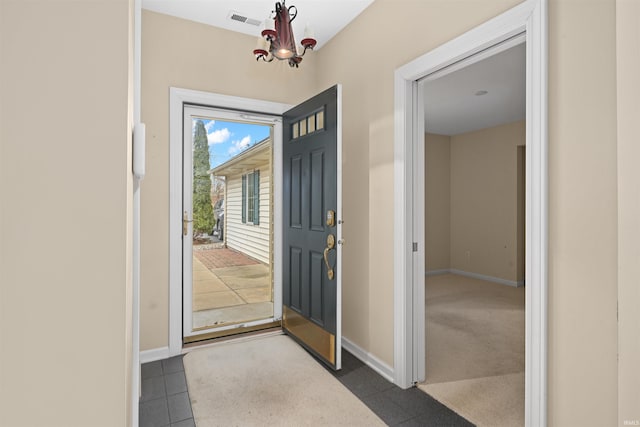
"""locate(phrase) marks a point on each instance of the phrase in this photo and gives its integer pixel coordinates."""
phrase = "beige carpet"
(496, 401)
(268, 381)
(475, 349)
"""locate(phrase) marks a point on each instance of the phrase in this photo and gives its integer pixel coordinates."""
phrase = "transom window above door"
(308, 124)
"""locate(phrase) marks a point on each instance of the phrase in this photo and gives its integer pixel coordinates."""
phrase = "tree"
(203, 220)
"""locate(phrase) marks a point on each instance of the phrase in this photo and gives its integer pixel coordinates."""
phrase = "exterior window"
(251, 198)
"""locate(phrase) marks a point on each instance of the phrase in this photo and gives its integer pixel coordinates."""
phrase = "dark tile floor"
(395, 406)
(165, 399)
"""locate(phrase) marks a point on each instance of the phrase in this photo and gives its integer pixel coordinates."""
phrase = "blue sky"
(228, 139)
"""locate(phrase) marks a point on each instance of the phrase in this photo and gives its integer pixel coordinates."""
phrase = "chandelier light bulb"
(308, 32)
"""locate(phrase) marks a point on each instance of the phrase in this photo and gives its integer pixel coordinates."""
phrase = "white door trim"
(340, 217)
(275, 123)
(136, 379)
(177, 98)
(529, 17)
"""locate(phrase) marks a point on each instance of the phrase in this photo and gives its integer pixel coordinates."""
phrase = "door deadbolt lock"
(331, 218)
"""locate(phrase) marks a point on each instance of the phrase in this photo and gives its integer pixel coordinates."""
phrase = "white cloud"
(218, 136)
(238, 146)
(209, 125)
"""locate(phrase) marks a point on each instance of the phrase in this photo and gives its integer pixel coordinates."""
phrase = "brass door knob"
(331, 244)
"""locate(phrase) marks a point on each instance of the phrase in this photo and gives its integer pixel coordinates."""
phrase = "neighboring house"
(217, 189)
(247, 224)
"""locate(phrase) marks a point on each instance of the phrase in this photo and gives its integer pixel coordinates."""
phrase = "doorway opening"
(313, 126)
(185, 106)
(528, 19)
(475, 136)
(228, 188)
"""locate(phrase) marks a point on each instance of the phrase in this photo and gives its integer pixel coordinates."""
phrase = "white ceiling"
(452, 106)
(326, 17)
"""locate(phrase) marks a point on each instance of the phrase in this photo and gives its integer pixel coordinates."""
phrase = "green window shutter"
(244, 199)
(256, 197)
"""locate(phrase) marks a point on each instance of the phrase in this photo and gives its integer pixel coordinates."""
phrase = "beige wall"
(65, 213)
(189, 55)
(582, 172)
(175, 54)
(471, 202)
(64, 72)
(484, 201)
(583, 177)
(410, 29)
(582, 214)
(628, 108)
(437, 190)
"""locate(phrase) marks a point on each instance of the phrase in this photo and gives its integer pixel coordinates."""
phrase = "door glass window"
(309, 124)
(320, 119)
(303, 127)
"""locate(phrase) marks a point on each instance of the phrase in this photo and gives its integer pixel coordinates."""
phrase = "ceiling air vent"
(235, 16)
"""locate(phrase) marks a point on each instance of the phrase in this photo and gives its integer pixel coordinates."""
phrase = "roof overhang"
(246, 161)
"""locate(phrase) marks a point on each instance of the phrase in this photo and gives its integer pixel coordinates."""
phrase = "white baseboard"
(154, 354)
(515, 284)
(437, 272)
(483, 277)
(369, 359)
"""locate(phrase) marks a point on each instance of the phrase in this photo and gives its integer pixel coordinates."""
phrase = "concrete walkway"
(229, 287)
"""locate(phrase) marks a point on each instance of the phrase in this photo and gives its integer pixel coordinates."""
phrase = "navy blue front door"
(311, 279)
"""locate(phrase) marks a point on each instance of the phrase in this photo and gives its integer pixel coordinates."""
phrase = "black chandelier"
(277, 39)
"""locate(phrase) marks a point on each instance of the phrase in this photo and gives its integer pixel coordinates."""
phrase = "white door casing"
(178, 98)
(191, 112)
(184, 104)
(528, 18)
